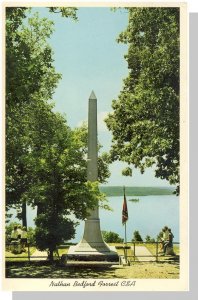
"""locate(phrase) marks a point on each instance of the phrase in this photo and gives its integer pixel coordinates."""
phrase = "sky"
(88, 56)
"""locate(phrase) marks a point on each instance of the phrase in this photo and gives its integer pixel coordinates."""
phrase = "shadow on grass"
(44, 269)
(47, 270)
(170, 259)
(174, 260)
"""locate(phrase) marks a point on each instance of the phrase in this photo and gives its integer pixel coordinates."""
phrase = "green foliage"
(68, 12)
(111, 237)
(28, 54)
(145, 118)
(103, 167)
(31, 236)
(45, 160)
(137, 237)
(8, 231)
(160, 235)
(127, 172)
(52, 230)
(149, 239)
(81, 137)
(30, 82)
(30, 233)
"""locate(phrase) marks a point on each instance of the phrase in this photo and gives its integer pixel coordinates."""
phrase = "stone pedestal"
(92, 239)
(92, 247)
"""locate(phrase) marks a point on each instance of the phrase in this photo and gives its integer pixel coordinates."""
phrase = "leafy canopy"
(145, 118)
(45, 160)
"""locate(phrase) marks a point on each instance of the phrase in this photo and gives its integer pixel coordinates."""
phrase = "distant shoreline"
(117, 191)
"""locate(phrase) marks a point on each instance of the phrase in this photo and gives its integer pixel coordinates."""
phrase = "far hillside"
(136, 191)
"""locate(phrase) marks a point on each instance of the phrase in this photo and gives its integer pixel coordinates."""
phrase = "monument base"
(74, 253)
(92, 246)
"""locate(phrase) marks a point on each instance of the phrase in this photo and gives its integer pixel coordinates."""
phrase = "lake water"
(148, 216)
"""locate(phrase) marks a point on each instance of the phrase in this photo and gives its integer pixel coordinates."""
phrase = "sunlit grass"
(154, 249)
(121, 249)
(62, 251)
(19, 257)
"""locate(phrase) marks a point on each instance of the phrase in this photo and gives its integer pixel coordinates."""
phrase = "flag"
(124, 211)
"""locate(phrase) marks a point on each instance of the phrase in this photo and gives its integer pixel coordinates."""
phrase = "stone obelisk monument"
(92, 245)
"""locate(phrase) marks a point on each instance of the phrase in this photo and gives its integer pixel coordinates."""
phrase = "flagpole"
(125, 234)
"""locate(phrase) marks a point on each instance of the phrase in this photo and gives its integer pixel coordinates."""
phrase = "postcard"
(96, 146)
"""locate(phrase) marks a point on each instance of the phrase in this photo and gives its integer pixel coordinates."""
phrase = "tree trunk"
(50, 255)
(40, 209)
(24, 214)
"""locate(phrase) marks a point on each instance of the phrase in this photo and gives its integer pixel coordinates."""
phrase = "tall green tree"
(145, 117)
(45, 161)
(30, 82)
(60, 186)
(56, 167)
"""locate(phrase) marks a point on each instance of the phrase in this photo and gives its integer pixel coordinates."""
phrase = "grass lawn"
(19, 257)
(152, 248)
(62, 251)
(24, 255)
(119, 248)
(165, 268)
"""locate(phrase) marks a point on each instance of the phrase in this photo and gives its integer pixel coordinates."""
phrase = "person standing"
(164, 238)
(15, 246)
(14, 233)
(19, 230)
(165, 234)
(169, 242)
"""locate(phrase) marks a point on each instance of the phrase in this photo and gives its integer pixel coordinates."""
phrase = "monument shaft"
(92, 167)
(92, 159)
(92, 239)
(92, 246)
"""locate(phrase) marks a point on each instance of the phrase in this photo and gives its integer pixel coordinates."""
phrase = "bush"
(112, 237)
(52, 231)
(137, 237)
(149, 239)
(31, 236)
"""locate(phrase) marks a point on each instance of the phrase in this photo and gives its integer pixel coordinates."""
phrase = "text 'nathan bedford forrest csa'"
(92, 246)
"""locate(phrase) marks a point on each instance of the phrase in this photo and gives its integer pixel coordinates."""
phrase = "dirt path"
(143, 253)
